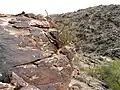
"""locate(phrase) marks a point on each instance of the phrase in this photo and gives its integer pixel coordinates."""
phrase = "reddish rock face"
(50, 73)
(27, 52)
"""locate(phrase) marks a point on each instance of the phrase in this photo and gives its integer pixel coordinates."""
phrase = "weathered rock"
(28, 59)
(37, 23)
(45, 75)
(5, 86)
(30, 15)
(19, 83)
(21, 25)
(5, 75)
(30, 87)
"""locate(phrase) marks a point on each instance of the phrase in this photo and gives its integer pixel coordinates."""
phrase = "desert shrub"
(66, 34)
(110, 74)
(66, 37)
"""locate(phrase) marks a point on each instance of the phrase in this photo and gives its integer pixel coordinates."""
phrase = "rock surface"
(28, 59)
(5, 86)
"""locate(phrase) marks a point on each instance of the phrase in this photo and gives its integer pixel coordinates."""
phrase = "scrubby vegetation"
(97, 40)
(97, 29)
(110, 74)
(66, 35)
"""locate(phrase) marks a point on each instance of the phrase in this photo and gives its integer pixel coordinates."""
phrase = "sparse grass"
(110, 74)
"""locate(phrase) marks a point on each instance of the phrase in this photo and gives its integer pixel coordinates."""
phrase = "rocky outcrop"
(33, 57)
(28, 58)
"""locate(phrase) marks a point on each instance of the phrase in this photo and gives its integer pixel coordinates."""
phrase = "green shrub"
(110, 74)
(66, 34)
(66, 37)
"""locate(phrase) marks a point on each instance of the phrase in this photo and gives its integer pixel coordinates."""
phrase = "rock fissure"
(33, 62)
(28, 54)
